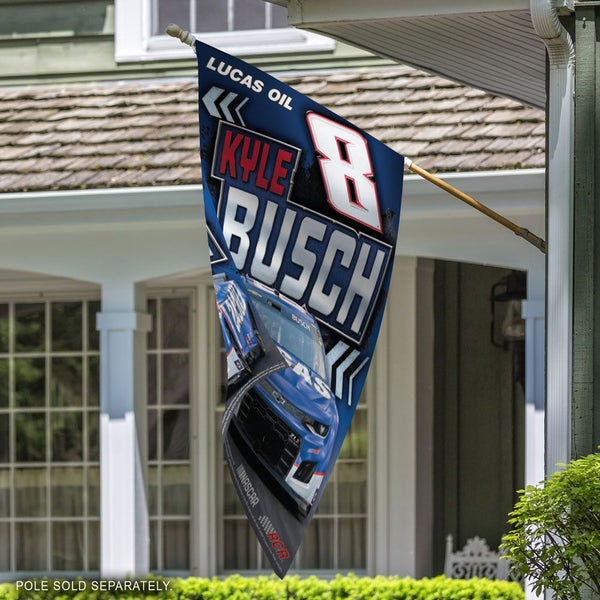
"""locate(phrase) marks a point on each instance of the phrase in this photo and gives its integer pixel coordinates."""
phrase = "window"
(49, 418)
(240, 27)
(336, 539)
(208, 16)
(169, 467)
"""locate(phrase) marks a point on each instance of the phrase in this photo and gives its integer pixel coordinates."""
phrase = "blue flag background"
(302, 211)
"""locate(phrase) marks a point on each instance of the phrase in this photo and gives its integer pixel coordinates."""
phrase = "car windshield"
(291, 329)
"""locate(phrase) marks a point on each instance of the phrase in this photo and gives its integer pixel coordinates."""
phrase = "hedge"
(270, 588)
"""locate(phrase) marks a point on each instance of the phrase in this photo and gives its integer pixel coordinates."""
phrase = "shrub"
(292, 588)
(556, 531)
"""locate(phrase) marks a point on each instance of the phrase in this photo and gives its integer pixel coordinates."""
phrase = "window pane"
(93, 436)
(152, 312)
(176, 379)
(241, 548)
(175, 322)
(30, 430)
(30, 382)
(94, 545)
(5, 547)
(29, 327)
(67, 546)
(31, 546)
(93, 491)
(317, 547)
(153, 484)
(30, 492)
(172, 11)
(66, 381)
(4, 439)
(352, 486)
(67, 491)
(210, 16)
(355, 444)
(327, 504)
(176, 435)
(154, 558)
(176, 490)
(249, 14)
(93, 333)
(152, 435)
(353, 544)
(66, 325)
(3, 327)
(152, 381)
(66, 431)
(93, 381)
(176, 545)
(3, 382)
(4, 493)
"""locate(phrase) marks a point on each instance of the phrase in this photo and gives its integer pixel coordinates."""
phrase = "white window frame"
(134, 42)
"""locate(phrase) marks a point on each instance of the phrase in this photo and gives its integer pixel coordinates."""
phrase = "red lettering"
(279, 172)
(278, 545)
(247, 162)
(228, 153)
(261, 181)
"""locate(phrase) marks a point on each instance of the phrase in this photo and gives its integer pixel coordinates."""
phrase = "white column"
(124, 531)
(533, 311)
(401, 426)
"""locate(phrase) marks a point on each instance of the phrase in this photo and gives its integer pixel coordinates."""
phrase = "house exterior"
(111, 367)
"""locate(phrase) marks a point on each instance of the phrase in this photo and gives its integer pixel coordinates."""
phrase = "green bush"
(556, 531)
(290, 588)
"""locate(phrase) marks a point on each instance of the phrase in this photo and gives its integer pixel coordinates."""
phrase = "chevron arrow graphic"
(340, 360)
(224, 105)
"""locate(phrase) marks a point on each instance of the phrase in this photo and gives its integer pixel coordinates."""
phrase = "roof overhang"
(491, 45)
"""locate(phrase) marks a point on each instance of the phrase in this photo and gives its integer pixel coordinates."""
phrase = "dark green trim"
(586, 243)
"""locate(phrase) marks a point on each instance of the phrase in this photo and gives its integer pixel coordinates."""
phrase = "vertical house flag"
(302, 212)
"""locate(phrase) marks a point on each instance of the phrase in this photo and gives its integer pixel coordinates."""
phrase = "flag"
(302, 213)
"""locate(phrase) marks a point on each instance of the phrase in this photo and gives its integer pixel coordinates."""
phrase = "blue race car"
(288, 421)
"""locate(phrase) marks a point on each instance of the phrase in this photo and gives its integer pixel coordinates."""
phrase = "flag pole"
(538, 242)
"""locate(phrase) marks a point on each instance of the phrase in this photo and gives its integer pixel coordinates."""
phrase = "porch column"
(401, 426)
(535, 340)
(124, 531)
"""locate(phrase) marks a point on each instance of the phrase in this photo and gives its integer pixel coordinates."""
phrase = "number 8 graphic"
(346, 169)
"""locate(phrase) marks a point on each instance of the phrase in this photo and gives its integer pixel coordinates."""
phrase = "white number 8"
(346, 169)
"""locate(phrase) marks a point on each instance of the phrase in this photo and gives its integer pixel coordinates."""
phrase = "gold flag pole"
(538, 242)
